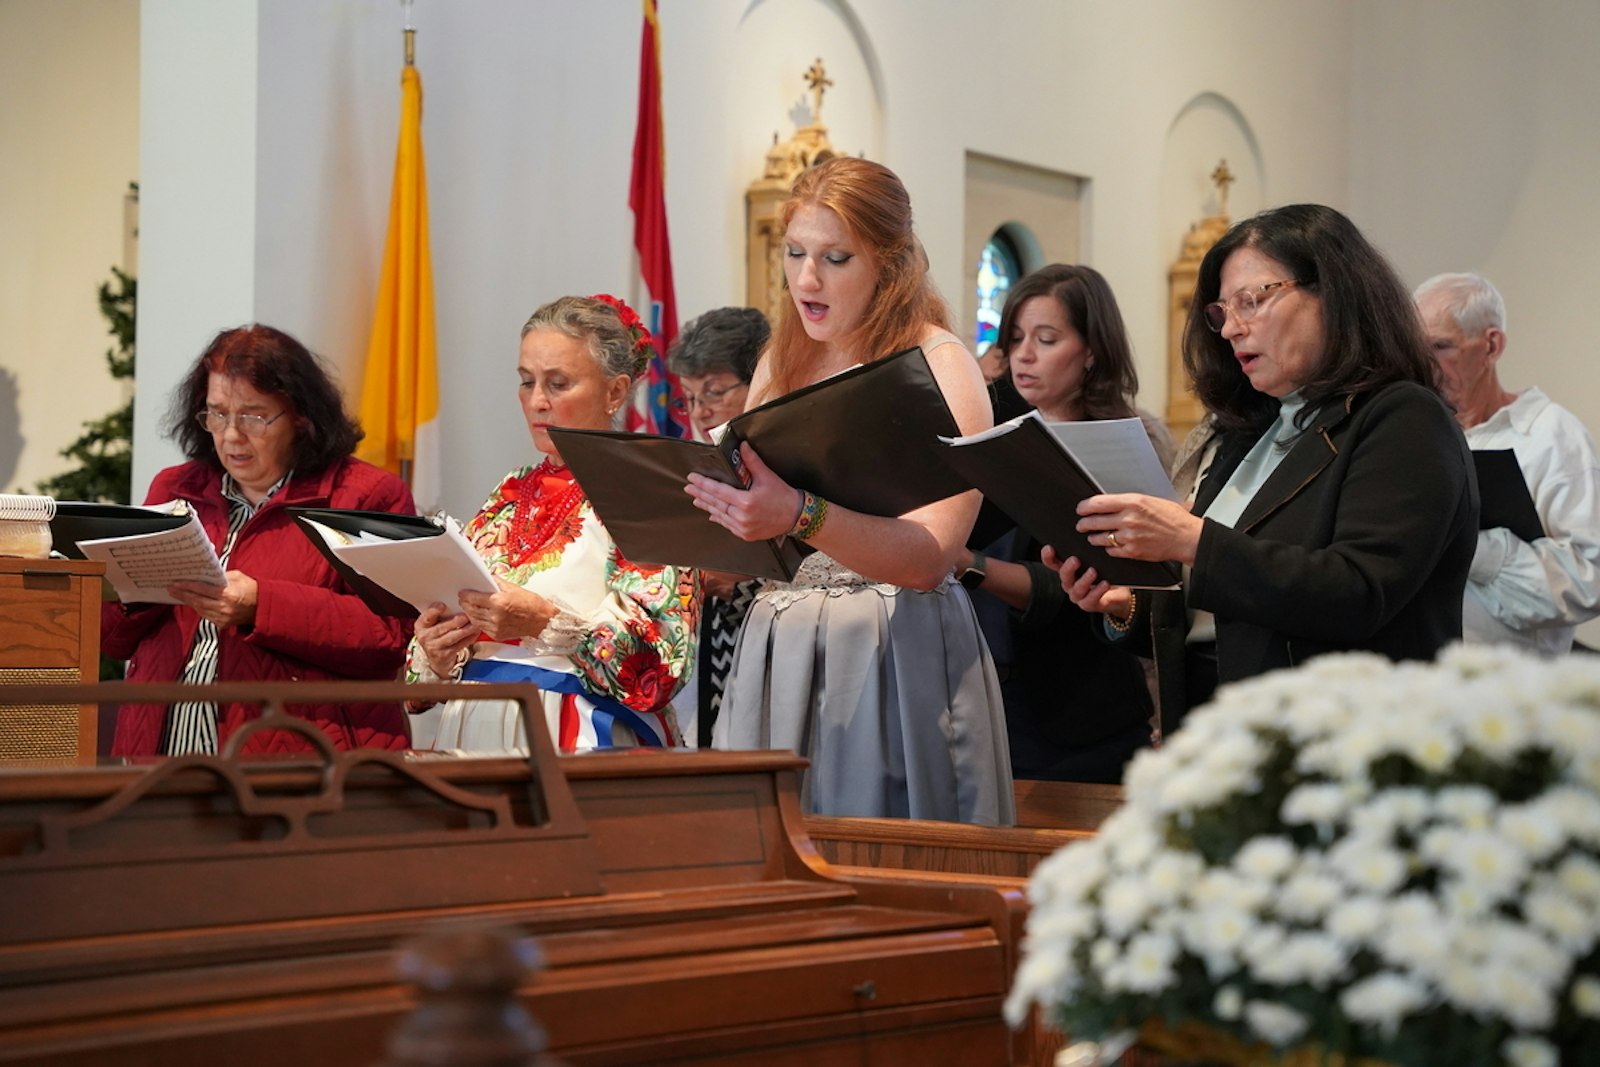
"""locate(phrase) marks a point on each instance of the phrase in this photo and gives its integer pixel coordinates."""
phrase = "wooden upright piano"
(214, 910)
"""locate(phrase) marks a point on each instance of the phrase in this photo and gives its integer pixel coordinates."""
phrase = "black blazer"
(1361, 539)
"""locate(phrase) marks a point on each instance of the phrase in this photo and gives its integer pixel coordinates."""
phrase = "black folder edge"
(1030, 477)
(1504, 499)
(384, 524)
(648, 514)
(887, 416)
(886, 419)
(76, 521)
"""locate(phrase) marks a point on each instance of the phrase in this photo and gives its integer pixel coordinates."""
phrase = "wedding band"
(1111, 539)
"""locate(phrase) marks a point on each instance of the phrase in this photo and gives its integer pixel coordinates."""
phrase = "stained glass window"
(998, 267)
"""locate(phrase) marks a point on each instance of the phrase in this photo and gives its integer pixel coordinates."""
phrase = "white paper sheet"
(140, 567)
(418, 570)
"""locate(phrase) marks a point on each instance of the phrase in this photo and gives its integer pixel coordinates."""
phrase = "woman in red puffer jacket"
(264, 429)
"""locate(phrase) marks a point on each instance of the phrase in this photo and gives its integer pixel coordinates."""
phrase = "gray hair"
(722, 339)
(597, 324)
(1474, 303)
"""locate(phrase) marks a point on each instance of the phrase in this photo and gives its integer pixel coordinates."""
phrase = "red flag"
(652, 411)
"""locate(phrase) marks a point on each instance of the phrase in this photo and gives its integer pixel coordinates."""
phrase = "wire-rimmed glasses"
(1243, 305)
(249, 425)
(706, 398)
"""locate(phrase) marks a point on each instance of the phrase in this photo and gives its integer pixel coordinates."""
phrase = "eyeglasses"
(1244, 305)
(707, 397)
(249, 425)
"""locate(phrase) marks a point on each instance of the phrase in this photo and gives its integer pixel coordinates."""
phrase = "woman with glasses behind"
(1339, 510)
(264, 429)
(714, 357)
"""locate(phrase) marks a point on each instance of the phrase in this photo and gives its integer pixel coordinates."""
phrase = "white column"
(197, 198)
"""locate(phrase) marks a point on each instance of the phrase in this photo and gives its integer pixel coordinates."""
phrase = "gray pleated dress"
(889, 692)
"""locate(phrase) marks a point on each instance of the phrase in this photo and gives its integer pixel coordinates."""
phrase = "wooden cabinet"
(49, 634)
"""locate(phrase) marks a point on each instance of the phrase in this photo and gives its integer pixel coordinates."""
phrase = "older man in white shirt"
(1530, 594)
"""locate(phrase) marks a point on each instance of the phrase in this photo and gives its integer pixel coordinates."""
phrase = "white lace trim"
(561, 635)
(825, 576)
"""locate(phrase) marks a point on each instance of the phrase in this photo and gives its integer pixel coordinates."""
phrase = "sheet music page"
(1118, 453)
(421, 570)
(140, 567)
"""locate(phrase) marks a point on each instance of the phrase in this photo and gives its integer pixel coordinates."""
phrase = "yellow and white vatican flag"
(400, 395)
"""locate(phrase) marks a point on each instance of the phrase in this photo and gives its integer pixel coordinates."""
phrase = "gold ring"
(1111, 539)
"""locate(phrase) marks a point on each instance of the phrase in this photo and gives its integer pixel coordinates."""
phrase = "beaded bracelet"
(813, 513)
(1122, 626)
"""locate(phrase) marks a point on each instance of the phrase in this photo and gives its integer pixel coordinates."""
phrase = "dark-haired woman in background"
(263, 428)
(1340, 510)
(714, 357)
(1076, 709)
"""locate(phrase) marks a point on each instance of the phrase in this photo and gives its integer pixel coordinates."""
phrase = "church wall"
(63, 67)
(1464, 142)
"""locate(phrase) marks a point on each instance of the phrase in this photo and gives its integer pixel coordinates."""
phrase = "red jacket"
(308, 625)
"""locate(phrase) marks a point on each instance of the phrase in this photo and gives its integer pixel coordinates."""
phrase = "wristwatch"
(973, 576)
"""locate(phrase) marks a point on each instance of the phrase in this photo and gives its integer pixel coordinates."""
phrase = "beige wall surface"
(69, 146)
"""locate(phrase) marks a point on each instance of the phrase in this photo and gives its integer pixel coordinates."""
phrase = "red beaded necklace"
(546, 497)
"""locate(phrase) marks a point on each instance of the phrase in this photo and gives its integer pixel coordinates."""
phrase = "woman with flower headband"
(607, 641)
(870, 663)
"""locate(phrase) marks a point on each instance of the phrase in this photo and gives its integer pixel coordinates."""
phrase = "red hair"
(876, 210)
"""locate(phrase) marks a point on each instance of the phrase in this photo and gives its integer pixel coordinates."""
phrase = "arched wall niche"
(778, 40)
(1195, 208)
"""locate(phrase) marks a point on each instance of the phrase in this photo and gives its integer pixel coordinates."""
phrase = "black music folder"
(866, 439)
(1029, 473)
(353, 523)
(77, 520)
(1504, 499)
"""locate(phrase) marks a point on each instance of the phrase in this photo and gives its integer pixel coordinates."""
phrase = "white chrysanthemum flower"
(1069, 874)
(1572, 731)
(1261, 943)
(1322, 804)
(1221, 885)
(1577, 810)
(1568, 922)
(1579, 875)
(1499, 728)
(1524, 1004)
(1149, 963)
(1228, 1003)
(1586, 996)
(1309, 895)
(1103, 953)
(1390, 811)
(1484, 858)
(1169, 876)
(1046, 977)
(1357, 920)
(1384, 1000)
(1276, 1024)
(1265, 859)
(1415, 940)
(1215, 934)
(1063, 924)
(1196, 788)
(1534, 959)
(1466, 987)
(1367, 865)
(1133, 847)
(1463, 899)
(1314, 958)
(1526, 1051)
(1124, 904)
(1536, 829)
(1468, 806)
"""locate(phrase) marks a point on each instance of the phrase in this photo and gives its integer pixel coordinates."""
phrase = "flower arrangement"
(1355, 860)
